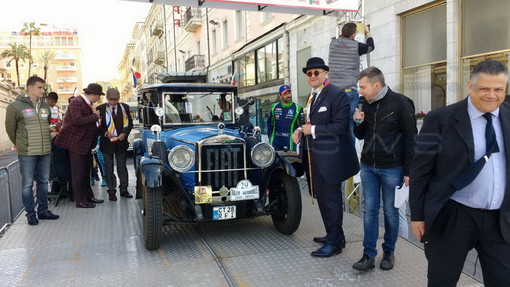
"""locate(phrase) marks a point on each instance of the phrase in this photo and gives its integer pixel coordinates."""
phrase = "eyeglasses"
(314, 73)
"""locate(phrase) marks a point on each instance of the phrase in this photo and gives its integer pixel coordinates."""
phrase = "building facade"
(61, 48)
(426, 49)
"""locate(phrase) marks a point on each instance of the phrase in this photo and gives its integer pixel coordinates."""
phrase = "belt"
(282, 134)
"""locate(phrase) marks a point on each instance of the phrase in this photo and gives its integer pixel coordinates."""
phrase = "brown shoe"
(85, 205)
(126, 194)
(112, 197)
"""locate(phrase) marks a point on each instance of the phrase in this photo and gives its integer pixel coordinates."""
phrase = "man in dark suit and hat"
(326, 138)
(79, 137)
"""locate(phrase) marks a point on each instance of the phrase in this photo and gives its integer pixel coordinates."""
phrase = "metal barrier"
(11, 204)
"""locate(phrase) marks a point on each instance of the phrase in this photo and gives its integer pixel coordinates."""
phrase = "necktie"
(472, 171)
(313, 100)
(114, 114)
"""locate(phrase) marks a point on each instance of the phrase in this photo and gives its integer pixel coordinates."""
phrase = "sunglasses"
(314, 73)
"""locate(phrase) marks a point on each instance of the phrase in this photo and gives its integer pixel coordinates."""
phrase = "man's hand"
(358, 116)
(406, 180)
(122, 136)
(306, 129)
(109, 135)
(296, 136)
(96, 112)
(418, 228)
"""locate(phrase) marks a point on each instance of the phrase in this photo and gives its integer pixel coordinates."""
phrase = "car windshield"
(198, 107)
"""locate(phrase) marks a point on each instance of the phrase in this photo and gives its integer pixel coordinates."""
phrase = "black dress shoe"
(95, 200)
(327, 250)
(126, 194)
(323, 240)
(85, 205)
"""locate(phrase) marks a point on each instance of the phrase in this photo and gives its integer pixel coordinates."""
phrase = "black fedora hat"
(315, 63)
(94, 88)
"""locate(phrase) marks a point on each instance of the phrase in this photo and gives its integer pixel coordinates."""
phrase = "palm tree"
(16, 53)
(46, 58)
(30, 29)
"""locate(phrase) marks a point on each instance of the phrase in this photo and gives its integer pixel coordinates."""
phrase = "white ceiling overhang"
(305, 7)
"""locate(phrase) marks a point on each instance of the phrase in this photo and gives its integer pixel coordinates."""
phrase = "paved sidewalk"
(103, 246)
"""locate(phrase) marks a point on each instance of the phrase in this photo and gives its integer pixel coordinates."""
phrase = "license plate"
(244, 191)
(224, 212)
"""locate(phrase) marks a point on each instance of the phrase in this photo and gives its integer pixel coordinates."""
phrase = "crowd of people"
(456, 168)
(35, 126)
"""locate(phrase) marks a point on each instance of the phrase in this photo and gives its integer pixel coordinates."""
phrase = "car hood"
(195, 134)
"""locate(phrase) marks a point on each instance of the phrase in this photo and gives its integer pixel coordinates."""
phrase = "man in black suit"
(333, 157)
(116, 124)
(459, 194)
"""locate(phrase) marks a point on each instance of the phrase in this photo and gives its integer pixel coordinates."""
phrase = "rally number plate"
(224, 212)
(244, 191)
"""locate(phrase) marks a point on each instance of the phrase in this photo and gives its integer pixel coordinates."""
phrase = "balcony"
(192, 19)
(65, 57)
(157, 28)
(67, 80)
(66, 91)
(159, 58)
(195, 63)
(66, 68)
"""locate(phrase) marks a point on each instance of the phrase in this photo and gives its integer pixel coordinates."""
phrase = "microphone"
(361, 100)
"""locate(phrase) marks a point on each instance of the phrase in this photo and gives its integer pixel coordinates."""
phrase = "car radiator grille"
(222, 157)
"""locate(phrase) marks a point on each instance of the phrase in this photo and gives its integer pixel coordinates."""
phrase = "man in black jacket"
(387, 125)
(116, 124)
(460, 196)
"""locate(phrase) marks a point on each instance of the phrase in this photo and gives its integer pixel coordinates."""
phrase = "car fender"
(152, 171)
(138, 151)
(280, 163)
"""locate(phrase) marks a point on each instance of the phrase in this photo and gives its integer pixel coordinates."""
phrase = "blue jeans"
(353, 97)
(34, 167)
(377, 181)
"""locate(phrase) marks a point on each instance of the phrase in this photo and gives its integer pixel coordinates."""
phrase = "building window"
(265, 62)
(239, 24)
(70, 41)
(265, 16)
(224, 32)
(424, 58)
(57, 41)
(483, 36)
(213, 41)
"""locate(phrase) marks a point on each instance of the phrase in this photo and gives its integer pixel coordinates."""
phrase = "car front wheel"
(152, 217)
(285, 189)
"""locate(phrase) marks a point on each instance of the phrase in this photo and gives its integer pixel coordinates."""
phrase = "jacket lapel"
(504, 114)
(463, 128)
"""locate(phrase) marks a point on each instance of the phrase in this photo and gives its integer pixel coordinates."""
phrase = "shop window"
(484, 36)
(424, 57)
(265, 62)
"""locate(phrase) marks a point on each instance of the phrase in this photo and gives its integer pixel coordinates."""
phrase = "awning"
(305, 7)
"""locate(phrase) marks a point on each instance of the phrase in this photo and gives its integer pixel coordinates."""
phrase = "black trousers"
(458, 229)
(111, 180)
(329, 198)
(80, 176)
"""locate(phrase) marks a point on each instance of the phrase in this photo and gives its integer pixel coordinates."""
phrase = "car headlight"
(155, 129)
(181, 158)
(262, 155)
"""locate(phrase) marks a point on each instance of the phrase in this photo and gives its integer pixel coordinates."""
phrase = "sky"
(104, 28)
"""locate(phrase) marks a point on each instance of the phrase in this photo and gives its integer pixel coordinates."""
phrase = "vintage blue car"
(198, 160)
